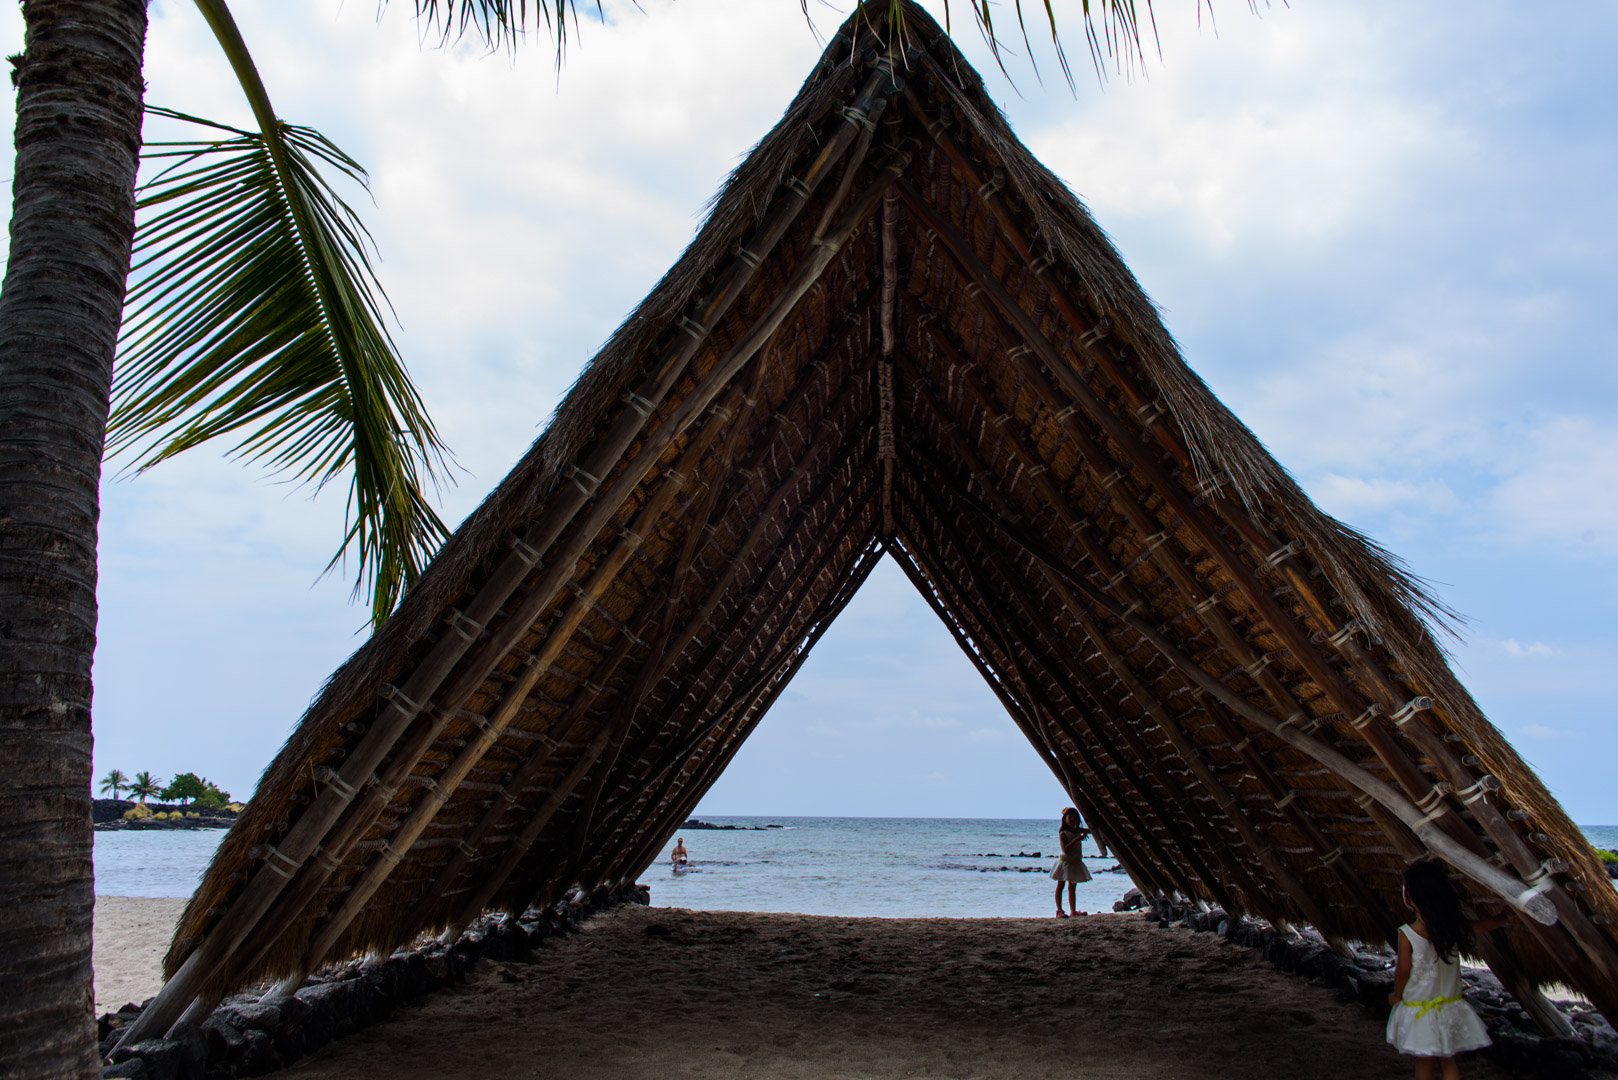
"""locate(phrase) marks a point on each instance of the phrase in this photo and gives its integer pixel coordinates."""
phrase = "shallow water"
(967, 867)
(879, 866)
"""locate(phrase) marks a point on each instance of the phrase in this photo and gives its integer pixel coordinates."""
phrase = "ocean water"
(962, 867)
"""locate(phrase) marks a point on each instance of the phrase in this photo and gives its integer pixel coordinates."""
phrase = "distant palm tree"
(146, 786)
(114, 783)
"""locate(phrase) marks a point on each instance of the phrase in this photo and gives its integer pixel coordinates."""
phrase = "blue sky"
(1382, 232)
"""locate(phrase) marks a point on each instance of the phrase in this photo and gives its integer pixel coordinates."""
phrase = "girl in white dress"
(1070, 867)
(1430, 1021)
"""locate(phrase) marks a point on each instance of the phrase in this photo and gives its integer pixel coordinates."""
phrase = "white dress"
(1071, 867)
(1431, 1020)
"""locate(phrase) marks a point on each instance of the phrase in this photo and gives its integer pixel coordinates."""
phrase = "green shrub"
(1608, 857)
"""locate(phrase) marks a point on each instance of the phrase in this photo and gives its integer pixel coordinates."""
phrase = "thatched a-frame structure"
(897, 334)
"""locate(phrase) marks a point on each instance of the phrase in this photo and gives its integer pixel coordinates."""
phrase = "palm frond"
(254, 318)
(1112, 30)
(502, 24)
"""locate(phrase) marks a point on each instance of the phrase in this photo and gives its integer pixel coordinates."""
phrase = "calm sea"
(972, 867)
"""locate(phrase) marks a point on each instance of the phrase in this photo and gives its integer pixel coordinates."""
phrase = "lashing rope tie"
(1117, 579)
(526, 552)
(937, 126)
(573, 474)
(859, 118)
(679, 478)
(1408, 711)
(482, 723)
(1361, 721)
(634, 538)
(1035, 470)
(326, 860)
(692, 327)
(595, 689)
(1331, 856)
(1286, 800)
(1432, 804)
(333, 779)
(1065, 412)
(639, 404)
(1285, 551)
(1150, 413)
(1257, 666)
(991, 185)
(1110, 479)
(1213, 598)
(1264, 853)
(1043, 263)
(508, 797)
(282, 864)
(1246, 740)
(465, 849)
(1364, 800)
(1131, 609)
(1346, 631)
(1542, 876)
(464, 625)
(1472, 794)
(1017, 351)
(387, 852)
(397, 698)
(972, 289)
(750, 258)
(1427, 1005)
(1096, 333)
(1079, 524)
(900, 162)
(796, 185)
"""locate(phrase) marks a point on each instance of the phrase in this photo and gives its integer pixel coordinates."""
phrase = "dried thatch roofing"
(896, 334)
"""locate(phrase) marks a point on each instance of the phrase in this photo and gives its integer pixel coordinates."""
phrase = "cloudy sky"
(1383, 232)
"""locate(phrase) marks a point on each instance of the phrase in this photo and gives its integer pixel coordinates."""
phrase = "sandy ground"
(656, 993)
(131, 935)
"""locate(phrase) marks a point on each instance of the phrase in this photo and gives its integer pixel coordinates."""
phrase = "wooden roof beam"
(973, 382)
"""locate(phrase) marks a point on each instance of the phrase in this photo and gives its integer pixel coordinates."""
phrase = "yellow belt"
(1424, 1007)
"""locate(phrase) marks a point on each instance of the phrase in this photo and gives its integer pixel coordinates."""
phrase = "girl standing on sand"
(1070, 867)
(1430, 1021)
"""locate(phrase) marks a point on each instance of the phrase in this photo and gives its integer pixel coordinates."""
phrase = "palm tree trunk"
(78, 144)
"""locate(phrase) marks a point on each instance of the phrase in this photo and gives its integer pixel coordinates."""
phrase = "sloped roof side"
(897, 335)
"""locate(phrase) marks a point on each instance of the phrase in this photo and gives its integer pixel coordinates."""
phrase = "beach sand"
(661, 992)
(131, 935)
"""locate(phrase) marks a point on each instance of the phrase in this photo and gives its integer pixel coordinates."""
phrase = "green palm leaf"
(255, 313)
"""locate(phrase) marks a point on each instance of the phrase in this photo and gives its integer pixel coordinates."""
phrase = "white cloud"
(1540, 731)
(1562, 490)
(1532, 648)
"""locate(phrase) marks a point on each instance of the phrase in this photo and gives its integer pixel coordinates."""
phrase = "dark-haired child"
(1430, 1020)
(1070, 868)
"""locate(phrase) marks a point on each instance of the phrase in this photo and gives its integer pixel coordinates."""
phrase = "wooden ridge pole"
(306, 834)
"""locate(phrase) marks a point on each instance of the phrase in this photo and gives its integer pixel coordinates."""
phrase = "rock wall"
(1368, 979)
(246, 1038)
